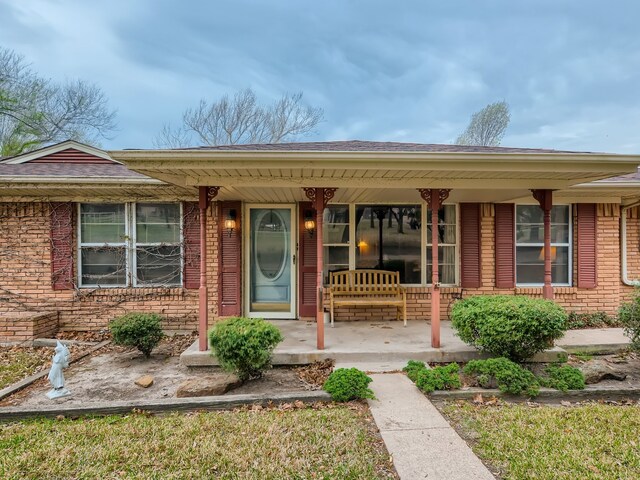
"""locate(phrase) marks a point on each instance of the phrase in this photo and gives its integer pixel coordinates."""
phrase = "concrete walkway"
(421, 441)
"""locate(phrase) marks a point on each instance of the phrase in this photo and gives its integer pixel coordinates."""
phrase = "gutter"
(623, 239)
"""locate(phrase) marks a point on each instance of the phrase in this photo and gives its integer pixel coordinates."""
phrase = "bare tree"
(487, 126)
(241, 119)
(36, 111)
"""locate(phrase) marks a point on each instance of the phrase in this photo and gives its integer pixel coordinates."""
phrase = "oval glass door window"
(271, 245)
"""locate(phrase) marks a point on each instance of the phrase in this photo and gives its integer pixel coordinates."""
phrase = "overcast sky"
(382, 70)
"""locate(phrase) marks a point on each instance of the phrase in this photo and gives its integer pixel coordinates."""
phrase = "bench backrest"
(365, 282)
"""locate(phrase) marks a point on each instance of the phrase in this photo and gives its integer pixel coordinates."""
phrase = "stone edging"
(547, 395)
(225, 402)
(25, 382)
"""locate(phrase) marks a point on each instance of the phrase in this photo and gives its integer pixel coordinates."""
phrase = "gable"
(70, 155)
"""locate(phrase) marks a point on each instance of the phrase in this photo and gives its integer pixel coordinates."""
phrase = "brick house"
(203, 233)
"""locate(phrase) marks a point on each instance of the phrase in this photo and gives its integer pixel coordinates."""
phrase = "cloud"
(410, 71)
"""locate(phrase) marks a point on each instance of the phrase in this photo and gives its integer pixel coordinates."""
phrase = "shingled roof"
(366, 146)
(68, 170)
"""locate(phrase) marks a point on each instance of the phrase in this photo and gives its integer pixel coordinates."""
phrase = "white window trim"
(568, 244)
(423, 234)
(129, 245)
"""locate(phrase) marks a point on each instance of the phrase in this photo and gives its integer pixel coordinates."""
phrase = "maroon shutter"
(230, 261)
(191, 241)
(61, 217)
(307, 266)
(470, 245)
(587, 245)
(505, 245)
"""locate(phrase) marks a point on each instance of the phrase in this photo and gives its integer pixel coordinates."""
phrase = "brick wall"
(27, 326)
(25, 279)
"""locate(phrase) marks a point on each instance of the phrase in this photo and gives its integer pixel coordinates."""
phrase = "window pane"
(335, 259)
(158, 223)
(335, 227)
(529, 214)
(102, 223)
(530, 226)
(158, 265)
(388, 238)
(530, 264)
(446, 264)
(446, 225)
(103, 266)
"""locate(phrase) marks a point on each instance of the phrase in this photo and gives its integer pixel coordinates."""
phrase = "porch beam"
(434, 198)
(319, 197)
(205, 196)
(545, 199)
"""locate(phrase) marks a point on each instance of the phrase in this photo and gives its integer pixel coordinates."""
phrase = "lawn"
(321, 443)
(592, 441)
(17, 363)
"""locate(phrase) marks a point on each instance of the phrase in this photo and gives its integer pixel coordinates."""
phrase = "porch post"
(319, 197)
(205, 195)
(545, 199)
(434, 198)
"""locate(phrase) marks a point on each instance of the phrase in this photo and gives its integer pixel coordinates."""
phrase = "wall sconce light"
(309, 222)
(230, 221)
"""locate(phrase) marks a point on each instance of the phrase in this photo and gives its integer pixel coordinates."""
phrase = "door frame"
(293, 255)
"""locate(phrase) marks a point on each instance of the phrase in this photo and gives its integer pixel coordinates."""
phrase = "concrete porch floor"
(386, 344)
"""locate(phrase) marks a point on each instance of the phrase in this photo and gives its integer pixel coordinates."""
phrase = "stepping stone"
(145, 381)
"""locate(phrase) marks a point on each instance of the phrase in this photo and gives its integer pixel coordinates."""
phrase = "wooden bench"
(367, 287)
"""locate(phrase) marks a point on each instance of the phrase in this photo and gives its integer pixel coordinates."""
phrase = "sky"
(411, 71)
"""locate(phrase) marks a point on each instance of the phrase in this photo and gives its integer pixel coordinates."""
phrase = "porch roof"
(363, 166)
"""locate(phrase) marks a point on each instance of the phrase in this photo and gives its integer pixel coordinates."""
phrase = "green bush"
(413, 368)
(577, 321)
(438, 378)
(563, 378)
(629, 317)
(516, 327)
(509, 376)
(244, 345)
(346, 384)
(140, 330)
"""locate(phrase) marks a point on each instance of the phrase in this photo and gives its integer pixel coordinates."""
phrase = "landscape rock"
(595, 371)
(145, 381)
(208, 386)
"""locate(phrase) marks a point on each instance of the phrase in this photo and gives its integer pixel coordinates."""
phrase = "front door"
(271, 261)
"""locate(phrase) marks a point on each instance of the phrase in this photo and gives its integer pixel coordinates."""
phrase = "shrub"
(244, 345)
(413, 368)
(516, 327)
(346, 384)
(563, 378)
(438, 378)
(576, 321)
(629, 317)
(140, 330)
(509, 376)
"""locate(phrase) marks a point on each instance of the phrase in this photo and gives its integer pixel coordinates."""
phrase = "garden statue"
(56, 376)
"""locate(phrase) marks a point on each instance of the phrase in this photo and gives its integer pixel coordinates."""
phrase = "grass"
(592, 441)
(324, 443)
(17, 363)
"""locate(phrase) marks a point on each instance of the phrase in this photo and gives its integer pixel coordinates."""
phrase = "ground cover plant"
(562, 377)
(508, 376)
(445, 377)
(289, 442)
(346, 384)
(244, 345)
(511, 326)
(140, 330)
(590, 442)
(17, 363)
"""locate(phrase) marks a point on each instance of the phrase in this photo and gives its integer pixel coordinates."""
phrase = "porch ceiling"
(375, 170)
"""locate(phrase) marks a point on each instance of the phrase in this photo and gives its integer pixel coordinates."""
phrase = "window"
(530, 245)
(446, 245)
(335, 237)
(130, 244)
(388, 237)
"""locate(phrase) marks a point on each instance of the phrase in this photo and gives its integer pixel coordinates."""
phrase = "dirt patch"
(110, 374)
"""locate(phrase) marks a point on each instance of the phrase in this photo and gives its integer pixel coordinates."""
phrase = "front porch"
(387, 345)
